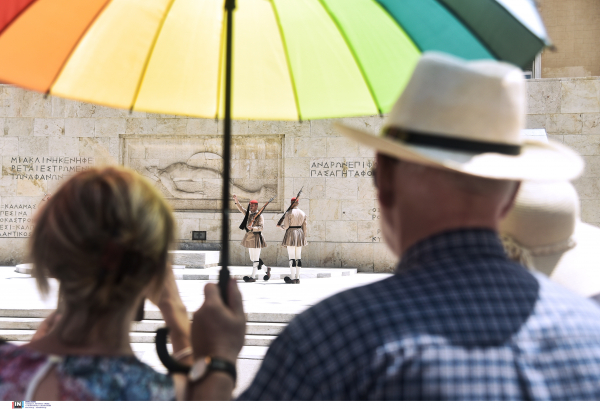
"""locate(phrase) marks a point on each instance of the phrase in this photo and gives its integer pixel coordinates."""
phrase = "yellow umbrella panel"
(300, 59)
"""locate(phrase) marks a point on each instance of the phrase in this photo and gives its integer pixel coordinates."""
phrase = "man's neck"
(409, 238)
(424, 225)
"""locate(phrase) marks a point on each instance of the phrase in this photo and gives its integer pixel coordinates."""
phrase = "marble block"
(581, 95)
(24, 268)
(195, 259)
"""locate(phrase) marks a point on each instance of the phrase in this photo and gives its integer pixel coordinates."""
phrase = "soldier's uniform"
(294, 239)
(254, 241)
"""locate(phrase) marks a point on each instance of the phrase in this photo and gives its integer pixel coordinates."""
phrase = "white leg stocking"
(292, 257)
(254, 256)
(298, 261)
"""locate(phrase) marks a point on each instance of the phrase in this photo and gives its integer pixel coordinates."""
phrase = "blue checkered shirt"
(457, 321)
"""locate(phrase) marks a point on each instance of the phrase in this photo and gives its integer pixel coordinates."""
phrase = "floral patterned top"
(82, 377)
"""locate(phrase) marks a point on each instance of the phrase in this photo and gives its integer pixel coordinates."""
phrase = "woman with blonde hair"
(104, 236)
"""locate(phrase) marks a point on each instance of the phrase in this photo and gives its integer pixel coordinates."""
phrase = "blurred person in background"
(544, 232)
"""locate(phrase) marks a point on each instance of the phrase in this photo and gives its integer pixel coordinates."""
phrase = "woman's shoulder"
(18, 356)
(17, 367)
(119, 378)
(84, 377)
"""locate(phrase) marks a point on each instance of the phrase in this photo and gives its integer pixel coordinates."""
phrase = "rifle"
(260, 211)
(290, 208)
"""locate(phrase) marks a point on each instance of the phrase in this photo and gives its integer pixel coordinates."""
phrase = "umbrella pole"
(224, 273)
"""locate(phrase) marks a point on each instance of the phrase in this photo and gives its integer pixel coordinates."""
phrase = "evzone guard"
(253, 224)
(294, 224)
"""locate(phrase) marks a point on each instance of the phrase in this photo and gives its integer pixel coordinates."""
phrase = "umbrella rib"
(221, 86)
(150, 51)
(354, 56)
(287, 57)
(83, 33)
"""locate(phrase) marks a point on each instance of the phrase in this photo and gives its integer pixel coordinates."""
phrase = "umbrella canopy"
(288, 59)
(292, 59)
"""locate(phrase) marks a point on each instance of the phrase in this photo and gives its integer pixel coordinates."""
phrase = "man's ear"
(385, 180)
(507, 208)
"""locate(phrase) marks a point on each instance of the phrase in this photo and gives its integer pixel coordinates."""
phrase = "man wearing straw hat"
(458, 320)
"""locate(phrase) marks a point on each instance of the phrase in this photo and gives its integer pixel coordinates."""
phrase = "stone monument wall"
(44, 140)
(569, 110)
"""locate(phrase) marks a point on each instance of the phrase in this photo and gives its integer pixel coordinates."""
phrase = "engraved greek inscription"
(46, 167)
(375, 213)
(16, 217)
(342, 168)
(376, 237)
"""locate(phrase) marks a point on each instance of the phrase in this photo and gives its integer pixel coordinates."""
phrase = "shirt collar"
(453, 244)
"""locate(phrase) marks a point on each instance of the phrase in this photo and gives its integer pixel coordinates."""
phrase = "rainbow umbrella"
(288, 59)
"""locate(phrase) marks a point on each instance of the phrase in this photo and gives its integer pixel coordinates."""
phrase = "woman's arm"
(175, 315)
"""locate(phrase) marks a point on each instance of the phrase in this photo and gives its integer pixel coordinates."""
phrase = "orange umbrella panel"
(9, 9)
(41, 37)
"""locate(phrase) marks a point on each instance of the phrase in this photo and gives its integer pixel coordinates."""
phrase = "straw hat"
(467, 117)
(543, 231)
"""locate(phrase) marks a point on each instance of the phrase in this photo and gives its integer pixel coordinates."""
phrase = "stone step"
(211, 272)
(277, 273)
(196, 259)
(258, 317)
(135, 337)
(252, 328)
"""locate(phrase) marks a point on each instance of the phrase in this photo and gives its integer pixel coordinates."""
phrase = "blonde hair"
(105, 237)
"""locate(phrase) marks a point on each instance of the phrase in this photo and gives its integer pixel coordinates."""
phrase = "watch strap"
(204, 365)
(218, 364)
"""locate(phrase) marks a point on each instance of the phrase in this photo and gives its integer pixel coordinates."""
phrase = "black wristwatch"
(203, 366)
